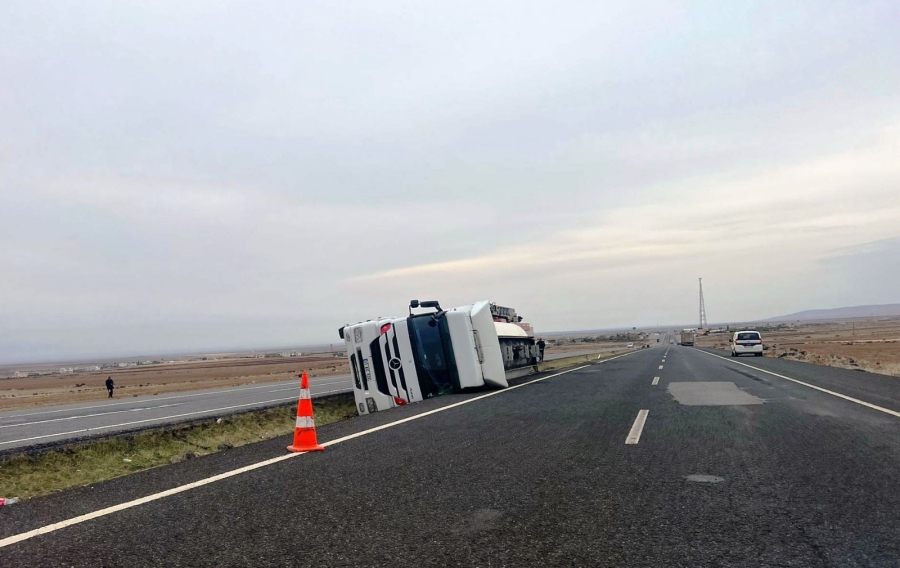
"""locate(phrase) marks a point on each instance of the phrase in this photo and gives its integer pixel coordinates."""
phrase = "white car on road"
(746, 342)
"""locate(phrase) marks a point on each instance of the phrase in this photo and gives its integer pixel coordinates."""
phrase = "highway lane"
(730, 466)
(23, 428)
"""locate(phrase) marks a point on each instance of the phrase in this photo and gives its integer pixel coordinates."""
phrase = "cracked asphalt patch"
(719, 393)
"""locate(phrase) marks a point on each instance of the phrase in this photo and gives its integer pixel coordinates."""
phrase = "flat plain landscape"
(182, 376)
(871, 345)
(161, 378)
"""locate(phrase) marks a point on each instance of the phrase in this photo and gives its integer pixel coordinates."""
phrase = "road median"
(26, 475)
(576, 360)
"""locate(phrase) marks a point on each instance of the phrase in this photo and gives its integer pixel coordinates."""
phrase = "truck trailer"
(687, 337)
(396, 361)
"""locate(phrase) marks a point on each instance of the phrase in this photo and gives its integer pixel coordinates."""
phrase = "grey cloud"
(168, 163)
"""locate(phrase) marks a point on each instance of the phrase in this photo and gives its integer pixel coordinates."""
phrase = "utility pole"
(703, 324)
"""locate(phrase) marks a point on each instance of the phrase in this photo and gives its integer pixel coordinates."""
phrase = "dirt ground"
(162, 378)
(870, 345)
(180, 376)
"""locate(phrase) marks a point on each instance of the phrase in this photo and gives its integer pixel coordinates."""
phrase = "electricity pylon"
(703, 324)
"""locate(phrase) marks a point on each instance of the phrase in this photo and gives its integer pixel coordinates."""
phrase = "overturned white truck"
(395, 361)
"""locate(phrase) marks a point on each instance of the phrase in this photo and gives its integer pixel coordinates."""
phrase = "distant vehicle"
(397, 361)
(631, 345)
(687, 338)
(746, 342)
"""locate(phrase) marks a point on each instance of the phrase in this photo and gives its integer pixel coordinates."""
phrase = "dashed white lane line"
(313, 383)
(820, 389)
(146, 420)
(187, 487)
(660, 366)
(635, 435)
(655, 381)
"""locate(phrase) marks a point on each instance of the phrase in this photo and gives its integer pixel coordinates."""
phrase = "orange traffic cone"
(305, 432)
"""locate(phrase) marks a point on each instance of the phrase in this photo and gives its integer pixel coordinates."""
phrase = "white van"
(746, 342)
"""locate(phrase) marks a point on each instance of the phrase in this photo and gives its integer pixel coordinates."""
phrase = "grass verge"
(82, 464)
(576, 359)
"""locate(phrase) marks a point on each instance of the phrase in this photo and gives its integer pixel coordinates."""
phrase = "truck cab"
(397, 361)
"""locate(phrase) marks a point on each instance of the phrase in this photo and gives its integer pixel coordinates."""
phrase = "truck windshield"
(433, 353)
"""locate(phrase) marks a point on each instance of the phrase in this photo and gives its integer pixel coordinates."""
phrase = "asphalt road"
(55, 424)
(564, 354)
(732, 466)
(23, 428)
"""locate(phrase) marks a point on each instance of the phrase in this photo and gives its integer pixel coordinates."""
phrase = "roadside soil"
(162, 378)
(872, 346)
(185, 376)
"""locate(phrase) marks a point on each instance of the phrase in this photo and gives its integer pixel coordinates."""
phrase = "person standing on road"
(541, 344)
(110, 385)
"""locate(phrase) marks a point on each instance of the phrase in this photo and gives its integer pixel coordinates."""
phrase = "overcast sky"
(180, 176)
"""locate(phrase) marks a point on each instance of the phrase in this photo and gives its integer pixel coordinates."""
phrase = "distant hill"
(881, 310)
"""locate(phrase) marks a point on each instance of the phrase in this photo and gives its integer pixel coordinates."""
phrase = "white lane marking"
(826, 391)
(417, 416)
(660, 366)
(655, 381)
(635, 435)
(65, 418)
(122, 506)
(182, 488)
(348, 382)
(90, 415)
(156, 398)
(197, 413)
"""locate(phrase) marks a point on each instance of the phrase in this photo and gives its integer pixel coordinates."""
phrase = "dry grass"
(26, 476)
(872, 346)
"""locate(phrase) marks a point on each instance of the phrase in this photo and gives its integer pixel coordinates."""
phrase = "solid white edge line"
(826, 391)
(182, 488)
(311, 385)
(122, 506)
(635, 435)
